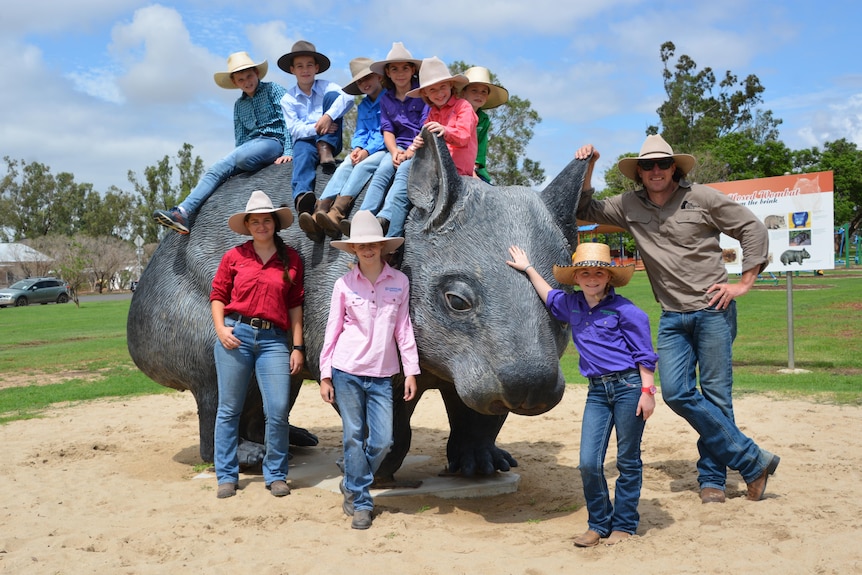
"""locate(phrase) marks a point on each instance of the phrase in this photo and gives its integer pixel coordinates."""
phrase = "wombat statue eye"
(457, 303)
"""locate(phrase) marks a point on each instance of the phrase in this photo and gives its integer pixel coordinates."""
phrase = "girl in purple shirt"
(612, 336)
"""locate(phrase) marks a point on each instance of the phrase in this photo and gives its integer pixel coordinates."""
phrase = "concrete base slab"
(315, 467)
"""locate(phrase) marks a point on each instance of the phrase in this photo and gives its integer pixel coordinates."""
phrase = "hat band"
(593, 264)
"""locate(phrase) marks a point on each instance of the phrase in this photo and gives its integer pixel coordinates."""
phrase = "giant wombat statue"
(485, 339)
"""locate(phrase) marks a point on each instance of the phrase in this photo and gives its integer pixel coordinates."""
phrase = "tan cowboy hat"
(236, 62)
(398, 53)
(303, 48)
(498, 95)
(259, 203)
(360, 68)
(594, 255)
(655, 148)
(365, 229)
(433, 71)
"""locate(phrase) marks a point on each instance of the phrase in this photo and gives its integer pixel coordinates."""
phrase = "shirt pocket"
(358, 309)
(605, 325)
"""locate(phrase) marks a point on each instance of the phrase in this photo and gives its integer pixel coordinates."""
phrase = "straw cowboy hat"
(236, 62)
(365, 229)
(360, 68)
(398, 53)
(303, 48)
(433, 71)
(259, 203)
(594, 255)
(655, 148)
(498, 95)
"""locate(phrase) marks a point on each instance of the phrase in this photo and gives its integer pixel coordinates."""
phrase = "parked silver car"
(35, 290)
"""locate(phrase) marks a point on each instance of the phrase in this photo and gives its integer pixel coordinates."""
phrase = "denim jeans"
(397, 204)
(365, 405)
(248, 157)
(612, 404)
(380, 182)
(264, 352)
(305, 156)
(349, 179)
(701, 341)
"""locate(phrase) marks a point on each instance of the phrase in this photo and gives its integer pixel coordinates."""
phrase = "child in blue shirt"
(612, 336)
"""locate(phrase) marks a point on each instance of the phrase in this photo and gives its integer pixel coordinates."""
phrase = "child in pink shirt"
(449, 117)
(369, 325)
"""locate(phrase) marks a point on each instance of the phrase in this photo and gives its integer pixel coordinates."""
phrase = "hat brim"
(459, 81)
(353, 87)
(349, 245)
(497, 95)
(379, 67)
(224, 80)
(286, 61)
(619, 275)
(237, 221)
(629, 166)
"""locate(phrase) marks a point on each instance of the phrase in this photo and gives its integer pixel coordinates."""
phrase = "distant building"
(18, 261)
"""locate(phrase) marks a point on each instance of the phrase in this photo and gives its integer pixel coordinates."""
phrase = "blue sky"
(101, 87)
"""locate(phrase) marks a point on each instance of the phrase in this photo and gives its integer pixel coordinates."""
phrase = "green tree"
(695, 115)
(162, 190)
(844, 159)
(510, 133)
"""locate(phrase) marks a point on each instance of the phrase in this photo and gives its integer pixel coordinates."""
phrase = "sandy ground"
(109, 487)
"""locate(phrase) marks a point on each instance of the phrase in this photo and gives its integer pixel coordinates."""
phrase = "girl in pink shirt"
(368, 325)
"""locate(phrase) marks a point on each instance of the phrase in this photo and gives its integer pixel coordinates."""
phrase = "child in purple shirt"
(612, 336)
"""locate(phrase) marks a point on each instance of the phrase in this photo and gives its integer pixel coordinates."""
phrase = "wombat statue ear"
(434, 185)
(562, 196)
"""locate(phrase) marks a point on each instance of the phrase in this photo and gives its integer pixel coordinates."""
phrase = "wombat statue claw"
(485, 340)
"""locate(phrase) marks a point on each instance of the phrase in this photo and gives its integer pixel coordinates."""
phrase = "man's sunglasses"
(648, 165)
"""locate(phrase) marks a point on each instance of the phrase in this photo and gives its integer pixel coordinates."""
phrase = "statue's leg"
(472, 448)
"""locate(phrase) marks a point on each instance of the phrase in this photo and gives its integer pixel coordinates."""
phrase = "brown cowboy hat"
(655, 148)
(237, 62)
(303, 48)
(594, 255)
(259, 203)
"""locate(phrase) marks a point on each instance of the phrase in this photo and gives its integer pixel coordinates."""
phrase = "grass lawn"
(62, 353)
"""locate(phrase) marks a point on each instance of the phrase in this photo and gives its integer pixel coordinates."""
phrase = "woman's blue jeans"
(612, 404)
(349, 179)
(380, 182)
(264, 352)
(397, 204)
(248, 157)
(701, 341)
(365, 405)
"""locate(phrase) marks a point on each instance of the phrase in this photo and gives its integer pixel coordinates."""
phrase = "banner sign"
(797, 210)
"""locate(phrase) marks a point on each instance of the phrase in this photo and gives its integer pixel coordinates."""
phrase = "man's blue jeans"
(250, 156)
(701, 341)
(349, 179)
(365, 405)
(305, 156)
(266, 353)
(611, 404)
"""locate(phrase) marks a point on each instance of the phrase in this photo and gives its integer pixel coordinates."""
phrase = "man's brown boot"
(326, 155)
(330, 220)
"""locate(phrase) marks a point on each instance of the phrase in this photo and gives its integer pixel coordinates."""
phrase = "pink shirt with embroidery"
(460, 120)
(368, 325)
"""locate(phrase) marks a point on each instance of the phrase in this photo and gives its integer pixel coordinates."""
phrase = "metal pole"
(790, 360)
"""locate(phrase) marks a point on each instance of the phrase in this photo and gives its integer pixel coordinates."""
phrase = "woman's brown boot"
(329, 221)
(308, 224)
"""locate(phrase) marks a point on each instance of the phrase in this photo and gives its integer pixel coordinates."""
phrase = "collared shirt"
(460, 120)
(402, 119)
(369, 325)
(367, 134)
(679, 241)
(482, 136)
(261, 116)
(252, 288)
(302, 111)
(612, 336)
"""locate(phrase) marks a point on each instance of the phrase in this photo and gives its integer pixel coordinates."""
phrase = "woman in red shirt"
(256, 300)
